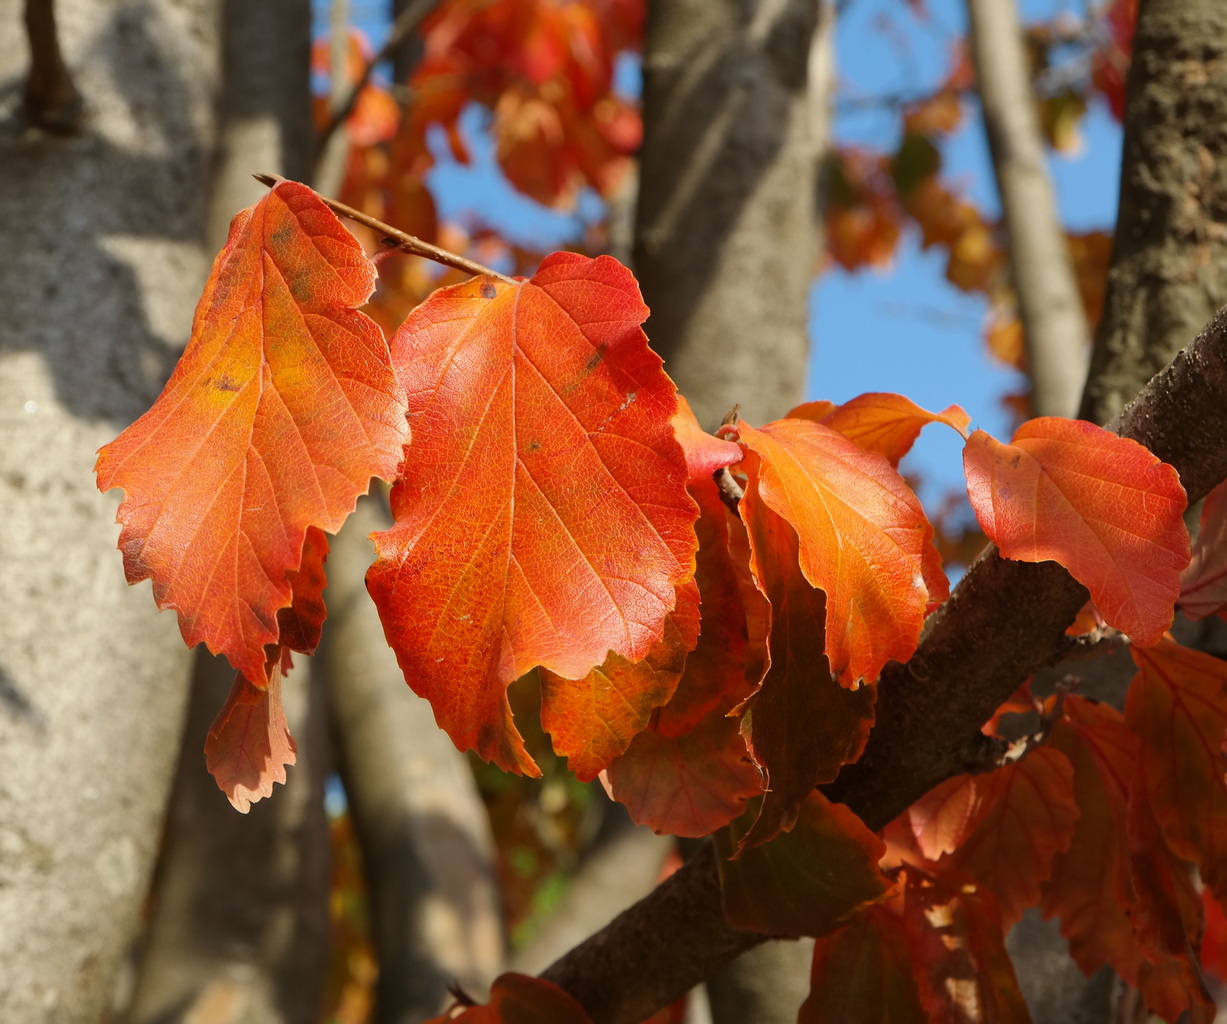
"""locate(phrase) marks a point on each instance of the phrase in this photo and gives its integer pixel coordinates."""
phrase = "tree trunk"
(103, 234)
(726, 241)
(1169, 258)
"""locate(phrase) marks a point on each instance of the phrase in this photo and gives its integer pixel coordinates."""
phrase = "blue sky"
(903, 329)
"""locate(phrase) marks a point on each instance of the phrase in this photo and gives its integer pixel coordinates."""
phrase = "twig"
(731, 492)
(394, 238)
(51, 97)
(406, 22)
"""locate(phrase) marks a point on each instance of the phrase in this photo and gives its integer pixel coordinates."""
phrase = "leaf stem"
(394, 238)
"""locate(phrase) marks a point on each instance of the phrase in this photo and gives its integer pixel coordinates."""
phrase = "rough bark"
(102, 233)
(1004, 620)
(725, 238)
(1055, 331)
(424, 832)
(1169, 258)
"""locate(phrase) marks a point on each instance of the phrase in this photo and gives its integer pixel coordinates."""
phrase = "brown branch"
(51, 98)
(394, 238)
(1004, 620)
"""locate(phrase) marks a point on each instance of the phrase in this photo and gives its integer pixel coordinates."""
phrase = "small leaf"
(301, 625)
(282, 408)
(1101, 505)
(249, 743)
(882, 422)
(1177, 707)
(806, 881)
(861, 535)
(1204, 583)
(545, 520)
(519, 999)
(705, 453)
(941, 819)
(801, 726)
(863, 974)
(688, 785)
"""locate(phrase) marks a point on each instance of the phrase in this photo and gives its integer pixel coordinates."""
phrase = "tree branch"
(979, 649)
(51, 96)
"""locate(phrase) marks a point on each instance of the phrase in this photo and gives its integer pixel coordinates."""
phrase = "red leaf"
(1101, 505)
(705, 453)
(545, 520)
(1089, 888)
(249, 743)
(301, 625)
(1177, 707)
(519, 999)
(801, 726)
(688, 785)
(863, 975)
(1204, 582)
(882, 422)
(593, 720)
(861, 535)
(940, 820)
(282, 408)
(803, 882)
(958, 953)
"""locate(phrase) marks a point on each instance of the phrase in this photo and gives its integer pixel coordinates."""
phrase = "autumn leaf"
(1101, 505)
(1026, 815)
(863, 974)
(806, 881)
(519, 999)
(801, 725)
(882, 422)
(1089, 888)
(705, 453)
(861, 534)
(543, 518)
(1204, 583)
(282, 408)
(940, 820)
(1177, 707)
(687, 785)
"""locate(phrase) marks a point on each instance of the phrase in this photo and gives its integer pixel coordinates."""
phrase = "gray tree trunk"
(726, 241)
(102, 233)
(1169, 258)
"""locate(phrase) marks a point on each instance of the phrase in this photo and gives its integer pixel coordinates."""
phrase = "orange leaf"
(1026, 816)
(1089, 888)
(593, 720)
(1101, 505)
(545, 519)
(705, 453)
(882, 422)
(1177, 707)
(249, 743)
(801, 726)
(803, 882)
(688, 785)
(1204, 582)
(282, 408)
(519, 999)
(301, 624)
(940, 820)
(863, 975)
(958, 953)
(861, 535)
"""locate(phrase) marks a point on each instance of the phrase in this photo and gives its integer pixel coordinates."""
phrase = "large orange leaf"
(519, 999)
(863, 975)
(1089, 888)
(1204, 582)
(687, 785)
(861, 534)
(804, 882)
(1026, 816)
(881, 421)
(543, 518)
(801, 725)
(1101, 505)
(282, 408)
(1177, 707)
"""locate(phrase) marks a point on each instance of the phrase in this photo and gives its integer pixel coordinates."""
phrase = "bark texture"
(425, 835)
(102, 233)
(1004, 620)
(725, 237)
(1169, 257)
(1055, 331)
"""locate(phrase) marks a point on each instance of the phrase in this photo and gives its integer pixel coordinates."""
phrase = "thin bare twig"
(393, 238)
(51, 96)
